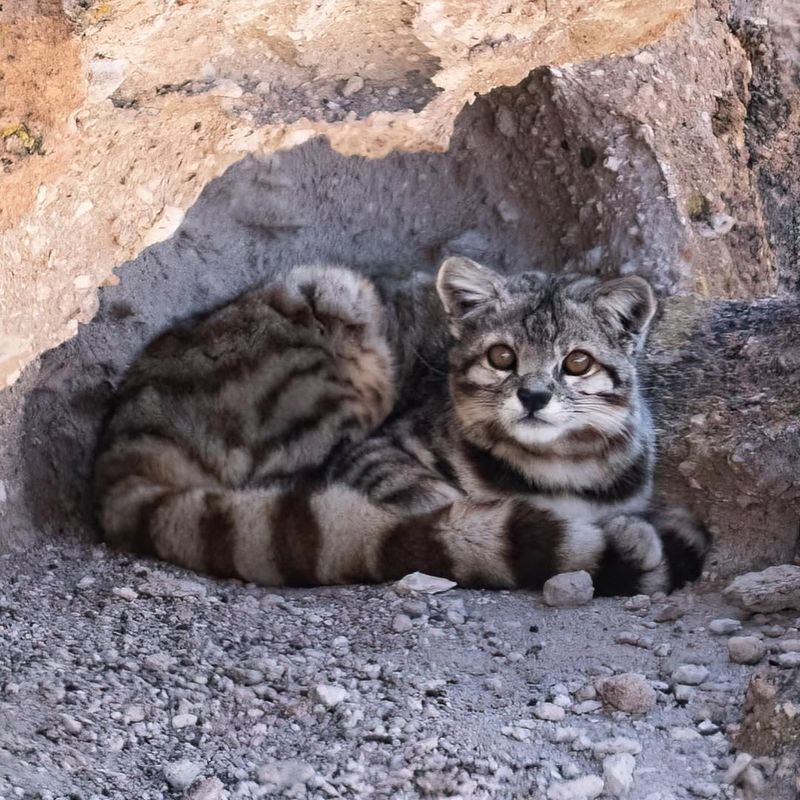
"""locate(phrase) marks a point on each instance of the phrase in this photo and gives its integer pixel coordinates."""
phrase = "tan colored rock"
(131, 94)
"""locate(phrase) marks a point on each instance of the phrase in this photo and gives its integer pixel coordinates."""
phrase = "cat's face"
(538, 358)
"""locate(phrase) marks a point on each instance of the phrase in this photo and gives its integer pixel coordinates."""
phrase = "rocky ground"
(122, 678)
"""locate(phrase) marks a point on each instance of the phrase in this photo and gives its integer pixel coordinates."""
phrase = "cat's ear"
(628, 303)
(465, 287)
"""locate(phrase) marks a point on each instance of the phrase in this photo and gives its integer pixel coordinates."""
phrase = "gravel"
(215, 690)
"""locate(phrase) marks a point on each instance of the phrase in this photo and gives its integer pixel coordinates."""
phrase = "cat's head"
(537, 359)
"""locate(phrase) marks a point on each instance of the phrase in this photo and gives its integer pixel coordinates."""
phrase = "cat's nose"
(534, 399)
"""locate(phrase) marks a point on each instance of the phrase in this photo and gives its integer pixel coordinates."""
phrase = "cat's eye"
(578, 362)
(501, 356)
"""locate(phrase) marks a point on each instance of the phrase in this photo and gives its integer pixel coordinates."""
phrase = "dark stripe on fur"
(415, 545)
(141, 540)
(499, 475)
(217, 530)
(266, 403)
(615, 576)
(496, 473)
(315, 418)
(624, 486)
(684, 559)
(296, 537)
(534, 537)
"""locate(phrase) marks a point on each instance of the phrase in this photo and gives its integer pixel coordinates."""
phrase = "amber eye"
(578, 363)
(502, 357)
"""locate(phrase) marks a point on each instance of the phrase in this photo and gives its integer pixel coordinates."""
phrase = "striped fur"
(328, 429)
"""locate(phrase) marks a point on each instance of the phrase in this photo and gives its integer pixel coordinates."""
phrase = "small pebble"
(330, 696)
(354, 84)
(208, 789)
(746, 649)
(402, 623)
(586, 788)
(549, 711)
(724, 626)
(180, 775)
(568, 590)
(690, 674)
(125, 592)
(629, 692)
(619, 744)
(789, 660)
(71, 725)
(586, 707)
(704, 789)
(618, 774)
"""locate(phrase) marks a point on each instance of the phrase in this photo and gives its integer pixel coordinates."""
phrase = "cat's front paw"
(635, 541)
(633, 559)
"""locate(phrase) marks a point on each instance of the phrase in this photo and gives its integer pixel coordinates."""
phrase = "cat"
(329, 428)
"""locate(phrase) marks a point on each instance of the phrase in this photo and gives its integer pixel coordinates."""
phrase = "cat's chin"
(531, 431)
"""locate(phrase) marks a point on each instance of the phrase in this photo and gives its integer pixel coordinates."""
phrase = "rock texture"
(772, 589)
(116, 115)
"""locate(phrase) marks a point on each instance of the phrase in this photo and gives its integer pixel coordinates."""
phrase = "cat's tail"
(315, 534)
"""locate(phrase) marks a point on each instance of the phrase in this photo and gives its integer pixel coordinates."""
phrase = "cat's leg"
(659, 551)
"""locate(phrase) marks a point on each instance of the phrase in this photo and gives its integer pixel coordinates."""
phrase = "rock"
(353, 85)
(704, 789)
(414, 608)
(124, 592)
(690, 674)
(180, 775)
(619, 744)
(639, 602)
(549, 711)
(168, 586)
(707, 728)
(246, 677)
(425, 584)
(669, 612)
(684, 734)
(789, 660)
(746, 649)
(586, 707)
(402, 623)
(71, 725)
(133, 713)
(586, 788)
(209, 789)
(683, 694)
(330, 696)
(789, 646)
(618, 774)
(772, 589)
(629, 692)
(569, 589)
(722, 627)
(283, 774)
(180, 721)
